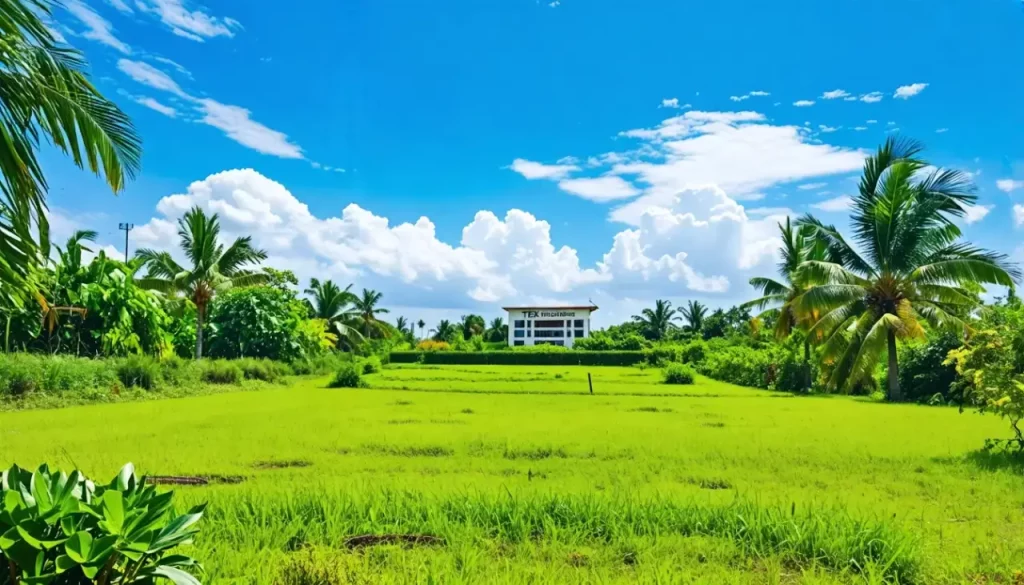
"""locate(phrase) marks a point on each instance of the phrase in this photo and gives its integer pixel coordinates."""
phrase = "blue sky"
(632, 142)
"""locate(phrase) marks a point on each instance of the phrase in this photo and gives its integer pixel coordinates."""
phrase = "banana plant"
(60, 529)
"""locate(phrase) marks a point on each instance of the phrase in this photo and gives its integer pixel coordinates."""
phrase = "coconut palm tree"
(421, 324)
(798, 246)
(498, 330)
(445, 330)
(694, 313)
(46, 96)
(472, 325)
(213, 269)
(403, 326)
(906, 264)
(655, 323)
(336, 306)
(366, 306)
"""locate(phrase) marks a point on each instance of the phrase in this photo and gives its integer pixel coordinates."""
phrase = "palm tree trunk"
(200, 318)
(893, 394)
(807, 366)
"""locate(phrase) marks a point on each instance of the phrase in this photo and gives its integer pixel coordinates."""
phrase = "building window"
(518, 342)
(560, 343)
(579, 333)
(579, 323)
(520, 324)
(549, 324)
(520, 333)
(549, 333)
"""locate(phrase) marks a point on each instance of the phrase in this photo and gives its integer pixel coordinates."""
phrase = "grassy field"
(523, 476)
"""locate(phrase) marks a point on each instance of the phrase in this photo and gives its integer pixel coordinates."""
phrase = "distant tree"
(655, 323)
(281, 279)
(214, 268)
(402, 324)
(472, 325)
(498, 330)
(336, 306)
(421, 324)
(445, 331)
(366, 305)
(694, 313)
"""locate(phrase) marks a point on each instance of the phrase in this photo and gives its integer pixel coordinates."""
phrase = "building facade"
(548, 325)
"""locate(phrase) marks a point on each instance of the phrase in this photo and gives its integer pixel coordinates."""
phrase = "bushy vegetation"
(547, 356)
(349, 375)
(679, 374)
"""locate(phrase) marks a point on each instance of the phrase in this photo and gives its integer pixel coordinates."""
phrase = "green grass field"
(526, 477)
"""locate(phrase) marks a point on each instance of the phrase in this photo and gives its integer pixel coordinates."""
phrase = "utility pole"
(126, 227)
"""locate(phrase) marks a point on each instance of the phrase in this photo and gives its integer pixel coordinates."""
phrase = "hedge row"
(516, 358)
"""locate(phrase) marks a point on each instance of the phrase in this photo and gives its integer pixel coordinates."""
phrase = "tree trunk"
(807, 366)
(200, 317)
(893, 393)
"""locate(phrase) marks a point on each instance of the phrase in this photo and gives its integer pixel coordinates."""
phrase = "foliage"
(366, 313)
(472, 325)
(431, 345)
(655, 323)
(263, 369)
(905, 265)
(550, 355)
(723, 323)
(991, 367)
(924, 374)
(257, 321)
(325, 363)
(694, 314)
(56, 526)
(679, 374)
(46, 97)
(371, 365)
(446, 331)
(220, 372)
(140, 372)
(336, 306)
(497, 331)
(604, 341)
(348, 376)
(214, 268)
(771, 368)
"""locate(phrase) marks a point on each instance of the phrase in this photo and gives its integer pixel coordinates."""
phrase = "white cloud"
(739, 98)
(1009, 185)
(600, 189)
(670, 103)
(803, 103)
(834, 205)
(747, 96)
(812, 186)
(120, 6)
(827, 129)
(835, 94)
(237, 124)
(976, 213)
(191, 24)
(860, 128)
(890, 123)
(942, 130)
(872, 121)
(908, 91)
(1018, 215)
(97, 27)
(157, 106)
(759, 93)
(872, 98)
(180, 68)
(850, 98)
(146, 74)
(535, 170)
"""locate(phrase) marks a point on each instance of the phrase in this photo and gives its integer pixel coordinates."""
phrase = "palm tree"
(402, 324)
(472, 325)
(498, 331)
(908, 265)
(421, 324)
(45, 95)
(445, 330)
(214, 268)
(694, 314)
(366, 306)
(336, 306)
(655, 323)
(798, 246)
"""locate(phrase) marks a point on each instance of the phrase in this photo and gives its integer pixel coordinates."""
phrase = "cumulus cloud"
(837, 204)
(803, 103)
(97, 28)
(908, 91)
(835, 94)
(976, 213)
(872, 98)
(1009, 185)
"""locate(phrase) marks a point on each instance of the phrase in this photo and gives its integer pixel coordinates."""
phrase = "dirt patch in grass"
(408, 540)
(281, 464)
(194, 479)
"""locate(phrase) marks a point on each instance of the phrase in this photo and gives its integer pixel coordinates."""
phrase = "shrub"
(923, 375)
(321, 364)
(431, 345)
(22, 374)
(694, 352)
(176, 371)
(257, 321)
(139, 371)
(262, 369)
(91, 533)
(371, 365)
(680, 374)
(220, 372)
(348, 376)
(560, 357)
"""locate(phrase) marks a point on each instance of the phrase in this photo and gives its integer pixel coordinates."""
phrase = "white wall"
(530, 330)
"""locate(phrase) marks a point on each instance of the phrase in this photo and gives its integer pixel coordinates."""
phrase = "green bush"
(220, 372)
(22, 374)
(139, 372)
(371, 365)
(679, 374)
(176, 371)
(64, 528)
(262, 369)
(924, 376)
(320, 365)
(256, 321)
(602, 341)
(348, 376)
(693, 352)
(523, 358)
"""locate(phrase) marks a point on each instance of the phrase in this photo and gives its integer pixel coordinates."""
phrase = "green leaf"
(177, 576)
(9, 539)
(12, 501)
(126, 477)
(102, 548)
(65, 563)
(113, 511)
(79, 547)
(32, 533)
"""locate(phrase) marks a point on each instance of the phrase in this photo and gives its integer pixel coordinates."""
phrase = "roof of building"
(552, 308)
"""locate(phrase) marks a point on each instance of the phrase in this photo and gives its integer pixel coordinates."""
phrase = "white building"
(551, 325)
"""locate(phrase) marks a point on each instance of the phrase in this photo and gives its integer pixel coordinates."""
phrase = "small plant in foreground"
(139, 371)
(371, 365)
(679, 374)
(64, 528)
(348, 376)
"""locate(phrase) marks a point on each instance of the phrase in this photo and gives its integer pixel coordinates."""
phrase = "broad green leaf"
(113, 511)
(91, 570)
(101, 549)
(65, 563)
(32, 533)
(38, 580)
(9, 539)
(79, 547)
(126, 477)
(177, 576)
(12, 501)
